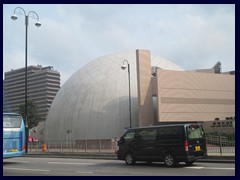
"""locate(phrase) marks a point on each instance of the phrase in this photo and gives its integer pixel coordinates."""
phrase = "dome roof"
(93, 102)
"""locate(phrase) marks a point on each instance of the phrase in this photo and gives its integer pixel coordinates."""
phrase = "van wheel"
(189, 163)
(129, 159)
(169, 160)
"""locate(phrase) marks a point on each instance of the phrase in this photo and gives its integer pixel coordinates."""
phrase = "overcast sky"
(191, 36)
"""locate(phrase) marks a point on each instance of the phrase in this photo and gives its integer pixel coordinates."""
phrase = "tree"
(33, 118)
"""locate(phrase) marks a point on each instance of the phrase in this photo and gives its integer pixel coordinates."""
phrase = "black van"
(168, 143)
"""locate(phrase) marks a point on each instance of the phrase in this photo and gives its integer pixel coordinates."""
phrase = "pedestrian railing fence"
(86, 145)
(216, 145)
(220, 145)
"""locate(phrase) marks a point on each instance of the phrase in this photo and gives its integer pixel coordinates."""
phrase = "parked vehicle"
(170, 144)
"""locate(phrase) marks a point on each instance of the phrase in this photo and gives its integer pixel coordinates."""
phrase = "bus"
(14, 135)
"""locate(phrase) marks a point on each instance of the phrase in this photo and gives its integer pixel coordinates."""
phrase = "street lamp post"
(123, 68)
(21, 11)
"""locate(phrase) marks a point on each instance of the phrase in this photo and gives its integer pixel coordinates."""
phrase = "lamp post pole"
(123, 68)
(21, 11)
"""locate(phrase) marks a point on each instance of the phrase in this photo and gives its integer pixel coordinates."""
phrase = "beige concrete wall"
(194, 96)
(145, 103)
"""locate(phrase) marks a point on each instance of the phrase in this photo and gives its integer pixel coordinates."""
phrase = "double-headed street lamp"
(123, 68)
(34, 15)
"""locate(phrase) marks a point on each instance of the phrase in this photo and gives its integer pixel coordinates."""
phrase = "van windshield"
(195, 132)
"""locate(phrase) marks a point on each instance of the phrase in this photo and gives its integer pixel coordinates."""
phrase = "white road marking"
(213, 168)
(220, 168)
(84, 172)
(71, 163)
(194, 167)
(22, 169)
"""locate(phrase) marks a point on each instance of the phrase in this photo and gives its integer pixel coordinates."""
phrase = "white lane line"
(216, 168)
(194, 167)
(213, 168)
(22, 169)
(71, 163)
(84, 172)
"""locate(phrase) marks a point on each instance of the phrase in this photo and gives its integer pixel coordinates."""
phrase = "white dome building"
(93, 103)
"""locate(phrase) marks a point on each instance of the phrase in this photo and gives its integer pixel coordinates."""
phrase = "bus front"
(13, 135)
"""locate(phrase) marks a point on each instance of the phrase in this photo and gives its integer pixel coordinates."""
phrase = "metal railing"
(86, 145)
(220, 145)
(216, 145)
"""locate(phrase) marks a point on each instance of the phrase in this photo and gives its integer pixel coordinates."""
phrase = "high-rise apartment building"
(43, 84)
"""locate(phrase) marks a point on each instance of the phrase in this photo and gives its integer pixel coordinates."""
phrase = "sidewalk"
(212, 157)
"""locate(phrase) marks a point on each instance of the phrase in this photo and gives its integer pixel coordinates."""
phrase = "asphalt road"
(32, 166)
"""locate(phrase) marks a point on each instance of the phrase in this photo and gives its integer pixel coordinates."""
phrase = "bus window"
(6, 124)
(10, 121)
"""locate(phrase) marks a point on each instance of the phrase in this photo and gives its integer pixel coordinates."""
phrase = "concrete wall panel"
(194, 96)
(144, 88)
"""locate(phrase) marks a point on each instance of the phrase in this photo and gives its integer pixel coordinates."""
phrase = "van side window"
(170, 132)
(129, 135)
(147, 134)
